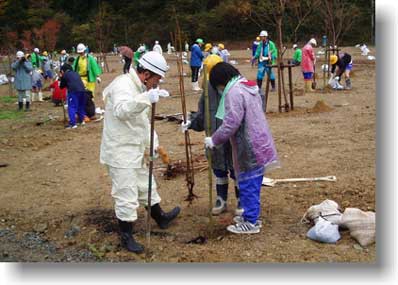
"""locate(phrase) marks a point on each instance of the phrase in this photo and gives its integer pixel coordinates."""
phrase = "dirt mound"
(320, 107)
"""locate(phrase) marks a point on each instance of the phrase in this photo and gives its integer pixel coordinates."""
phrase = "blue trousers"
(262, 69)
(222, 182)
(250, 187)
(76, 105)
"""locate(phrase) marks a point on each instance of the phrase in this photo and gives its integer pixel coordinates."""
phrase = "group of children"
(34, 72)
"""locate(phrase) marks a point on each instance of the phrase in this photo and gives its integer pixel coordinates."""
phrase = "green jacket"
(272, 50)
(93, 69)
(297, 55)
(36, 60)
(137, 56)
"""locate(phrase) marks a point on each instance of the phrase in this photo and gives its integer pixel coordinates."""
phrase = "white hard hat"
(313, 41)
(263, 34)
(157, 42)
(141, 49)
(36, 50)
(80, 48)
(154, 62)
(295, 46)
(20, 54)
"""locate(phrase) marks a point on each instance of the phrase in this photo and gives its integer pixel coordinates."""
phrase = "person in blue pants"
(76, 97)
(253, 150)
(266, 54)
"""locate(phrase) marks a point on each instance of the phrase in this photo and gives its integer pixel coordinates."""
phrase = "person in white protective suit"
(157, 47)
(126, 136)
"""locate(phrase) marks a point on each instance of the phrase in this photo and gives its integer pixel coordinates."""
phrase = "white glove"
(163, 93)
(98, 80)
(185, 126)
(153, 95)
(209, 143)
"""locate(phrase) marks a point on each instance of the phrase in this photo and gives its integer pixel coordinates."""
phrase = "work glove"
(98, 80)
(163, 93)
(153, 95)
(185, 126)
(209, 143)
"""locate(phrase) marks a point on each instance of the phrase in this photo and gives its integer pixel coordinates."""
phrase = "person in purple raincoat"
(253, 149)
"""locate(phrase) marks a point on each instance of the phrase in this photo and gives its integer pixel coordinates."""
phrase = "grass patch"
(10, 115)
(8, 99)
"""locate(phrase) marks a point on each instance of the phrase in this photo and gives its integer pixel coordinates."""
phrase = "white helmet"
(20, 54)
(141, 49)
(263, 34)
(154, 62)
(313, 41)
(36, 50)
(294, 46)
(156, 42)
(80, 48)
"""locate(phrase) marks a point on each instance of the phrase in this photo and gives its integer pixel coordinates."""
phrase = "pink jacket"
(308, 58)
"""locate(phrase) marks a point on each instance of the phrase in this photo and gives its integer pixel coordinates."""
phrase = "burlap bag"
(328, 209)
(362, 225)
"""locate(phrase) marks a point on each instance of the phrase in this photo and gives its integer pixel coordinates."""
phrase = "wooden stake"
(290, 87)
(208, 152)
(188, 150)
(148, 216)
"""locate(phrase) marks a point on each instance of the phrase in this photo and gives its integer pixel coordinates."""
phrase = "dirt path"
(55, 196)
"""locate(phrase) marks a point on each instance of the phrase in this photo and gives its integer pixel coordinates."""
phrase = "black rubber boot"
(272, 85)
(163, 219)
(259, 83)
(127, 239)
(27, 107)
(20, 106)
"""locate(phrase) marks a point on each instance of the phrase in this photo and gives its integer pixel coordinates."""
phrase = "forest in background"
(61, 24)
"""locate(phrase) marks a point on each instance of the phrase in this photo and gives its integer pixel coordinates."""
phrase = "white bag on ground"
(362, 225)
(328, 209)
(3, 79)
(324, 231)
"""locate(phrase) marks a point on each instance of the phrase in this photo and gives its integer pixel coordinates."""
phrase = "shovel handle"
(325, 178)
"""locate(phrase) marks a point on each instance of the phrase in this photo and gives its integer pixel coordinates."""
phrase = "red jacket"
(308, 58)
(58, 93)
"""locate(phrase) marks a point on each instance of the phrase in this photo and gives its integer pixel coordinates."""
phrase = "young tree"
(339, 17)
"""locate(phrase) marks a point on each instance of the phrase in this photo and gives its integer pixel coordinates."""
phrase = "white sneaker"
(220, 207)
(244, 228)
(196, 86)
(71, 127)
(240, 219)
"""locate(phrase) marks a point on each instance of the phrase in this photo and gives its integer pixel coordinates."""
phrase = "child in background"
(58, 95)
(76, 98)
(37, 84)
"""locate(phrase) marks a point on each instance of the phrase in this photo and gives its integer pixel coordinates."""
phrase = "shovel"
(271, 182)
(313, 85)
